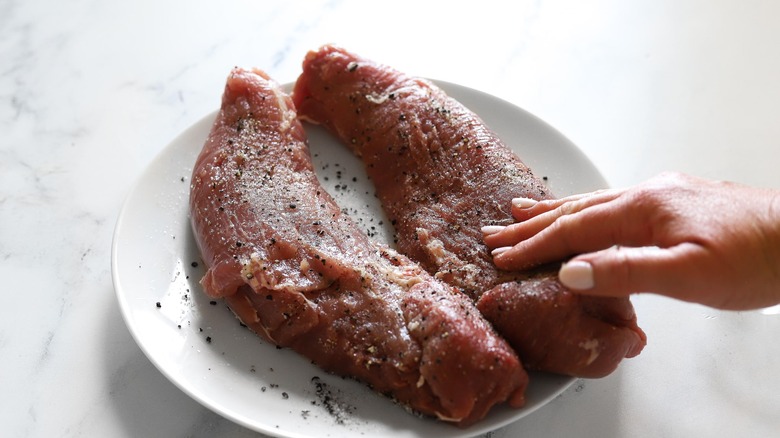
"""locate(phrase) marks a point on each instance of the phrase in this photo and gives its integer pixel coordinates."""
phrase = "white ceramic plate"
(200, 346)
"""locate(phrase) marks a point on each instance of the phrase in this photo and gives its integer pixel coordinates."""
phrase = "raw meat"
(302, 275)
(441, 175)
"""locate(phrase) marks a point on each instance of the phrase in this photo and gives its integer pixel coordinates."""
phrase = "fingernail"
(500, 250)
(577, 275)
(492, 229)
(523, 202)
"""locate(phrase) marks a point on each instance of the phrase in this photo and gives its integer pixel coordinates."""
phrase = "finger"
(510, 235)
(555, 236)
(540, 216)
(526, 208)
(682, 272)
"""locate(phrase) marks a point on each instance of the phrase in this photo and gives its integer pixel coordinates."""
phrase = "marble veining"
(92, 91)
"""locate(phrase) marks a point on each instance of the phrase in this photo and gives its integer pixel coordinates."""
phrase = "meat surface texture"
(302, 275)
(441, 174)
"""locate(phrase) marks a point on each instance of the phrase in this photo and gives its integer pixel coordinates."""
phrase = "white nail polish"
(500, 250)
(492, 229)
(577, 275)
(523, 202)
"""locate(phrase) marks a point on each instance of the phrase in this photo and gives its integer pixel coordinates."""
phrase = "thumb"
(678, 272)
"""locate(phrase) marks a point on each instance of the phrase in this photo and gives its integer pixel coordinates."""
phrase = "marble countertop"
(91, 91)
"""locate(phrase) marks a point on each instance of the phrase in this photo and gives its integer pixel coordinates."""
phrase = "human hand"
(714, 243)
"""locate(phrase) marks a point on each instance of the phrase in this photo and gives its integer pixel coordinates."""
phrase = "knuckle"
(565, 229)
(646, 196)
(572, 207)
(673, 178)
(567, 208)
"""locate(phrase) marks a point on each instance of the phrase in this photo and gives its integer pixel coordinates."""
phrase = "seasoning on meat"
(441, 174)
(305, 277)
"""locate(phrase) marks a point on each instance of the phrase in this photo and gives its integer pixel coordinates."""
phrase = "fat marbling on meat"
(302, 275)
(441, 174)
